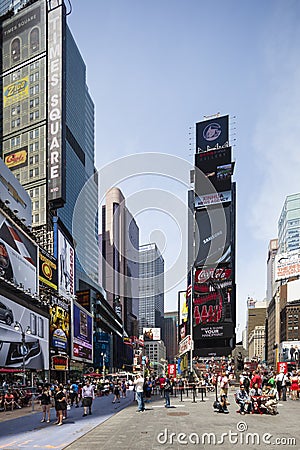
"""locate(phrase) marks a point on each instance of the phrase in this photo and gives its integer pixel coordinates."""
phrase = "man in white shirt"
(139, 392)
(88, 395)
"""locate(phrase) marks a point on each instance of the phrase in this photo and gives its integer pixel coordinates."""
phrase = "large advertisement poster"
(18, 256)
(23, 36)
(214, 231)
(36, 346)
(212, 133)
(151, 334)
(66, 266)
(289, 351)
(59, 325)
(287, 265)
(48, 273)
(82, 342)
(215, 171)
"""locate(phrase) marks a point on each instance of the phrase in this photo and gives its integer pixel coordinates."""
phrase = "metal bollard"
(181, 394)
(32, 402)
(194, 395)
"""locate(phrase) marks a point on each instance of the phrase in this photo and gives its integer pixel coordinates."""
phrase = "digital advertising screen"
(213, 244)
(213, 172)
(212, 133)
(82, 342)
(59, 325)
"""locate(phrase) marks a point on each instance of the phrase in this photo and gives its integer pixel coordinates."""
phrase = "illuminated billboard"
(36, 347)
(151, 334)
(214, 231)
(215, 171)
(212, 133)
(66, 265)
(18, 256)
(82, 330)
(59, 325)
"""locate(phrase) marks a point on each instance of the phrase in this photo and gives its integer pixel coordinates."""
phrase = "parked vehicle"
(6, 314)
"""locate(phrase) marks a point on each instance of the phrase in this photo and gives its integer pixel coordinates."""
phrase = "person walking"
(46, 403)
(88, 395)
(139, 392)
(167, 390)
(116, 392)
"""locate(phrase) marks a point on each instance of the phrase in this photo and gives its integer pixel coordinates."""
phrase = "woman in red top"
(294, 386)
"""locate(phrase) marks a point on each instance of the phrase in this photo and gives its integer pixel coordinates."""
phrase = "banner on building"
(287, 265)
(18, 256)
(66, 265)
(151, 334)
(35, 350)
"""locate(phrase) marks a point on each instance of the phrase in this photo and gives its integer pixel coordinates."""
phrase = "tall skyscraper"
(151, 297)
(120, 259)
(289, 225)
(47, 127)
(47, 137)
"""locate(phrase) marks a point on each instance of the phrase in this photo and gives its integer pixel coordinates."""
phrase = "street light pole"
(24, 349)
(103, 363)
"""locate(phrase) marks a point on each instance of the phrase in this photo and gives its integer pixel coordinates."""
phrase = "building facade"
(151, 287)
(156, 352)
(47, 141)
(169, 334)
(120, 259)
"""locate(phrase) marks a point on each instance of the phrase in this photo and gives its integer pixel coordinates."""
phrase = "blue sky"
(155, 68)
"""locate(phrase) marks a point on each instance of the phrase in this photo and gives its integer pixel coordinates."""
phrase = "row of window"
(32, 116)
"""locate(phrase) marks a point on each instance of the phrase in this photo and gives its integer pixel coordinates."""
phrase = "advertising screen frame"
(212, 133)
(209, 164)
(82, 334)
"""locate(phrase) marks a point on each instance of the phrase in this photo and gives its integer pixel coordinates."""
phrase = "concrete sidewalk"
(188, 424)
